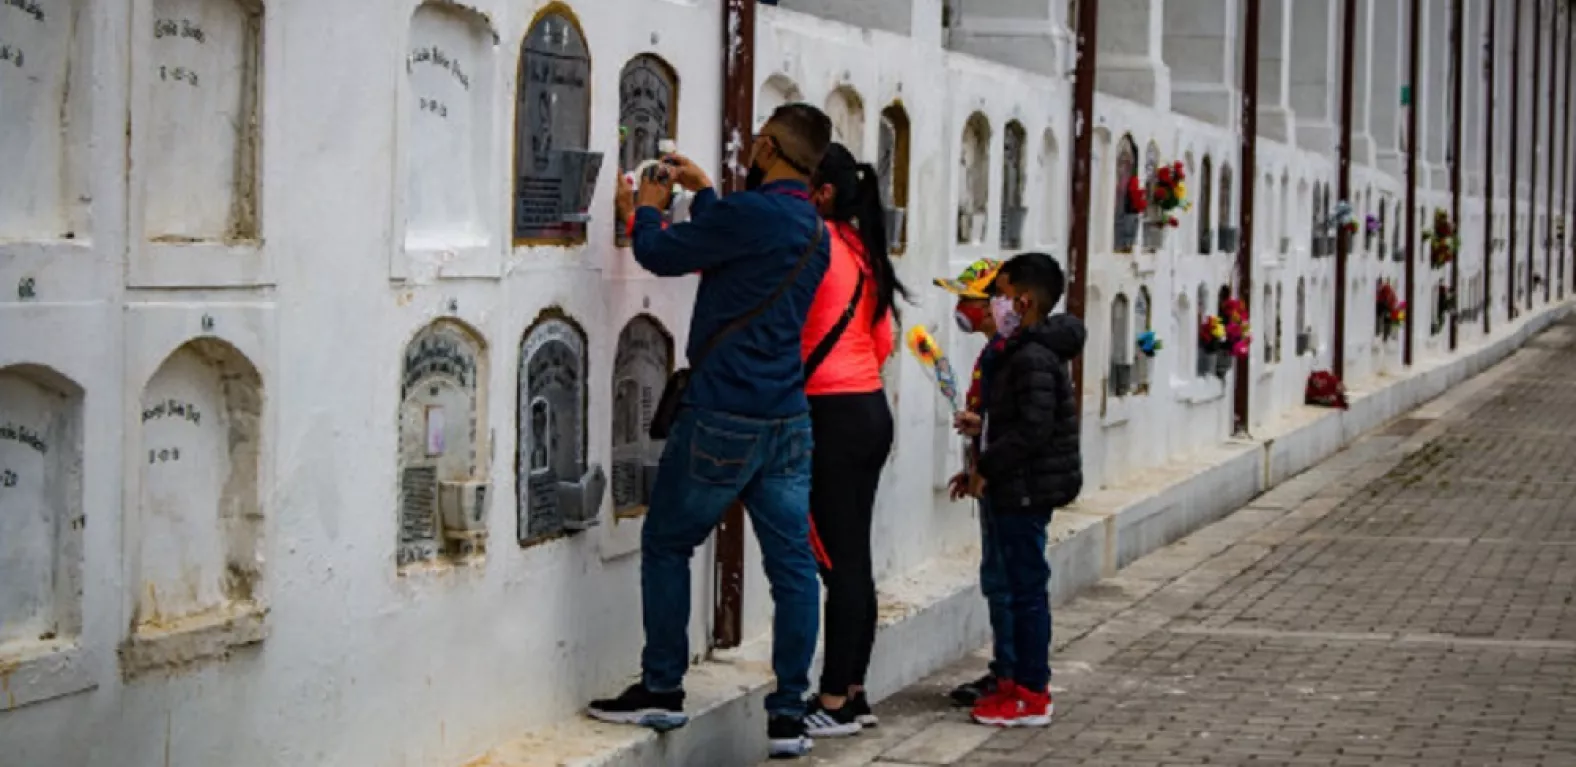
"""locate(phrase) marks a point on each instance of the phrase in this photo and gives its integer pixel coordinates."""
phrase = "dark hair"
(858, 200)
(807, 132)
(1039, 274)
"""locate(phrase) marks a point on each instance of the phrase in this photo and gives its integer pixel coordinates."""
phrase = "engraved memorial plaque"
(641, 365)
(551, 424)
(647, 115)
(552, 124)
(448, 122)
(440, 407)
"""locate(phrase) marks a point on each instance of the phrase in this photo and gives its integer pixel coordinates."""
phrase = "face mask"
(1006, 315)
(754, 178)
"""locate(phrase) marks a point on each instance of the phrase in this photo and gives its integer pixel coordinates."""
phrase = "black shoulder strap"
(829, 341)
(760, 308)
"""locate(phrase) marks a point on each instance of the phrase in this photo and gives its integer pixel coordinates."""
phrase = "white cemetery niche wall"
(44, 97)
(641, 365)
(41, 516)
(558, 492)
(442, 455)
(447, 136)
(552, 127)
(199, 527)
(847, 112)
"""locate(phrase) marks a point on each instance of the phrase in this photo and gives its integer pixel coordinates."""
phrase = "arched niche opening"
(448, 126)
(641, 365)
(648, 115)
(892, 167)
(1228, 229)
(1129, 195)
(1206, 200)
(1013, 211)
(1205, 362)
(1304, 330)
(1154, 229)
(1101, 189)
(1276, 339)
(197, 540)
(45, 105)
(778, 90)
(847, 112)
(1121, 382)
(1283, 214)
(199, 121)
(1143, 322)
(1051, 173)
(974, 180)
(1184, 327)
(554, 171)
(41, 513)
(558, 492)
(443, 450)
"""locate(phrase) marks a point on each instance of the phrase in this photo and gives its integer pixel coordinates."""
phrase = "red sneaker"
(1024, 708)
(1005, 690)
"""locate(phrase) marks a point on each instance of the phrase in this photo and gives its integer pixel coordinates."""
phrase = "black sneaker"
(860, 705)
(661, 711)
(969, 693)
(787, 736)
(823, 722)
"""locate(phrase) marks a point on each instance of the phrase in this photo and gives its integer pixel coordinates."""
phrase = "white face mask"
(1007, 318)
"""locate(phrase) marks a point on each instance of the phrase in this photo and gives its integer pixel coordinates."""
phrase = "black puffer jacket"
(1031, 460)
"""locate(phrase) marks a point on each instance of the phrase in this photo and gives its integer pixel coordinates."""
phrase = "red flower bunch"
(1390, 308)
(1136, 200)
(1325, 389)
(1238, 335)
(1442, 239)
(1168, 189)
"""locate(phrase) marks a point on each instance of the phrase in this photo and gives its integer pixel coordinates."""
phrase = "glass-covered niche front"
(554, 170)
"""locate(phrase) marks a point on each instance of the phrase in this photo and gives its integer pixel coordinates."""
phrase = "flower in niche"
(1149, 343)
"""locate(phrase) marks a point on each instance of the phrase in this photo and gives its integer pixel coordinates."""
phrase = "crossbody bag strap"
(760, 308)
(828, 342)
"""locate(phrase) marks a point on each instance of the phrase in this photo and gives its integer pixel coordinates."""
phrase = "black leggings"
(853, 435)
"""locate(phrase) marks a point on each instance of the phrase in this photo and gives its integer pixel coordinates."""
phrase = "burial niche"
(442, 450)
(641, 365)
(43, 119)
(847, 112)
(648, 112)
(554, 172)
(974, 180)
(449, 123)
(200, 521)
(41, 517)
(1013, 211)
(892, 168)
(558, 492)
(200, 126)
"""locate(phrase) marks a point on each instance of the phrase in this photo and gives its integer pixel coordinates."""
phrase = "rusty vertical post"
(1548, 196)
(1488, 173)
(738, 116)
(1083, 145)
(1532, 146)
(1515, 144)
(1344, 179)
(1414, 67)
(1457, 119)
(1248, 136)
(1565, 154)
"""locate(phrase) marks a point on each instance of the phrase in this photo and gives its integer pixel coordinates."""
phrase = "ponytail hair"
(858, 201)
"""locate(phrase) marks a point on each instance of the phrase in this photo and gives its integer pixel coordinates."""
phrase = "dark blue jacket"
(744, 247)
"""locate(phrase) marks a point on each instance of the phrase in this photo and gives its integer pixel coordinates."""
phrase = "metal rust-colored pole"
(1515, 144)
(1344, 179)
(1457, 118)
(1548, 204)
(1414, 71)
(1248, 135)
(1565, 154)
(1532, 167)
(1488, 174)
(738, 116)
(1083, 137)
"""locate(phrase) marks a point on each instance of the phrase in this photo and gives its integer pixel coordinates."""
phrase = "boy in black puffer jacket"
(1029, 466)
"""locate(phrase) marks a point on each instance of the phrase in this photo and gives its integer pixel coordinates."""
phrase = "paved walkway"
(1408, 602)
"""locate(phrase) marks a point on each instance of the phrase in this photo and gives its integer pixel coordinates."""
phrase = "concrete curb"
(936, 614)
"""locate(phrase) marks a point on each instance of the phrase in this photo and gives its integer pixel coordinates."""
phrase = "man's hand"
(958, 486)
(684, 172)
(976, 485)
(623, 202)
(655, 191)
(968, 424)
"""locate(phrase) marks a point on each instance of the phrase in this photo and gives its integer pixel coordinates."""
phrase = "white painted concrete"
(339, 657)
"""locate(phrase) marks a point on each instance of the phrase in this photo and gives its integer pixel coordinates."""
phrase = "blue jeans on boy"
(998, 594)
(712, 458)
(1015, 545)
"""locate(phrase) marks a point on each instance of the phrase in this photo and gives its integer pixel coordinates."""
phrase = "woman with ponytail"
(847, 337)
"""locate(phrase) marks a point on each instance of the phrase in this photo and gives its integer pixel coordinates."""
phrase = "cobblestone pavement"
(1408, 602)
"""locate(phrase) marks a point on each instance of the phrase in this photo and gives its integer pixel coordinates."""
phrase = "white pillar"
(1276, 120)
(1200, 44)
(1314, 81)
(1130, 64)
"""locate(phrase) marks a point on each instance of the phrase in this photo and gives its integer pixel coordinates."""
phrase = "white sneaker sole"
(659, 719)
(1018, 721)
(832, 730)
(789, 748)
(868, 720)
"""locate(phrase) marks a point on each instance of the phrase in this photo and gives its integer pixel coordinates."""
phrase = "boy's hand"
(958, 486)
(968, 424)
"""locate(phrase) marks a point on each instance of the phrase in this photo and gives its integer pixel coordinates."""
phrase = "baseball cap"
(974, 282)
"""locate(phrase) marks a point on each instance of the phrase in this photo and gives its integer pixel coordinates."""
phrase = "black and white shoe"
(661, 711)
(788, 738)
(860, 705)
(823, 722)
(969, 693)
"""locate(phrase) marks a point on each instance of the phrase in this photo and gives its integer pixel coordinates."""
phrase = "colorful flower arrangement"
(1137, 201)
(1325, 390)
(1390, 308)
(1169, 192)
(1238, 333)
(1341, 219)
(1149, 343)
(1442, 239)
(1212, 335)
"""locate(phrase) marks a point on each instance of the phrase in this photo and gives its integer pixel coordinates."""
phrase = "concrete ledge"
(936, 614)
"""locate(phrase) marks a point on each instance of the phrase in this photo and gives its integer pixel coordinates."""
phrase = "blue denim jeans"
(998, 596)
(1018, 540)
(710, 459)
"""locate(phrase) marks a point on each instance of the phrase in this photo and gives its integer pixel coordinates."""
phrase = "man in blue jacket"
(744, 429)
